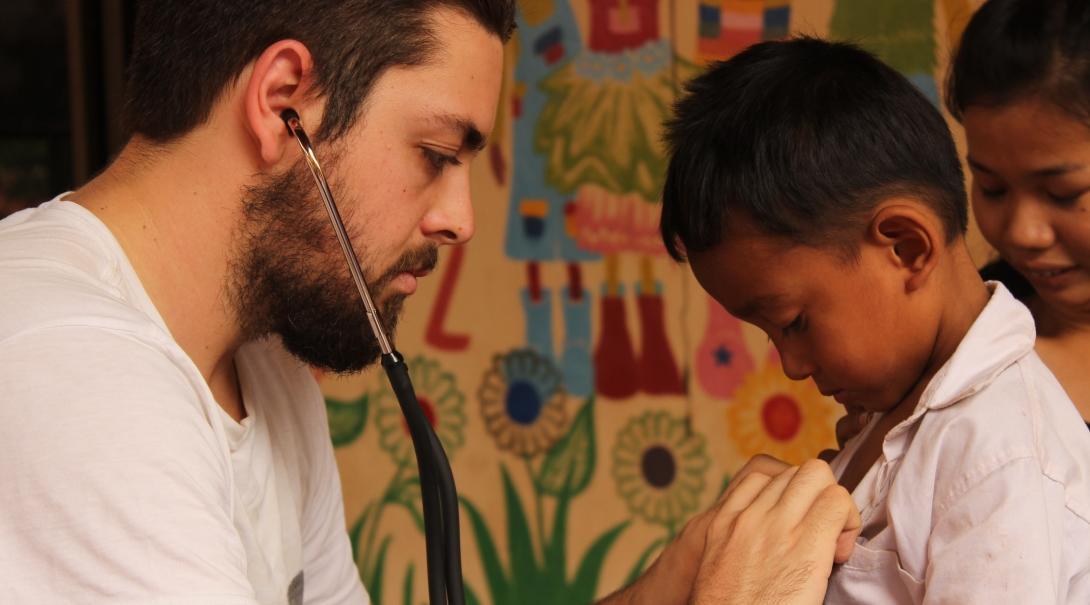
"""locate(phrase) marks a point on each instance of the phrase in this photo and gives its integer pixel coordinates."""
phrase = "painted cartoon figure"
(539, 224)
(598, 137)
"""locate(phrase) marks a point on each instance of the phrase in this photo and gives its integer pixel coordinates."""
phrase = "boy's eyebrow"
(1046, 171)
(751, 307)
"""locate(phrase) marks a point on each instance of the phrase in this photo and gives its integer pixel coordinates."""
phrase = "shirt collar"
(1002, 334)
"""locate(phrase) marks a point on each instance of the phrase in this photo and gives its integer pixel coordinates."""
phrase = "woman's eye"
(993, 193)
(1066, 200)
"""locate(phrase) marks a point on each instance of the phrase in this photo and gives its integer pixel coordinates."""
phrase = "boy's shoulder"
(1022, 415)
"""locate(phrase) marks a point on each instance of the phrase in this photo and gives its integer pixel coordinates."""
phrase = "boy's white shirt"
(983, 494)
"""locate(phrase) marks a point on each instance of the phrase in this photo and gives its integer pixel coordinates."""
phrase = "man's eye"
(437, 161)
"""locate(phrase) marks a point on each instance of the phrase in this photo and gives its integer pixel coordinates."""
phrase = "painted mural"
(591, 397)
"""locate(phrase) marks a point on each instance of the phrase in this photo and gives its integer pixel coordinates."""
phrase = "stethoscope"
(440, 497)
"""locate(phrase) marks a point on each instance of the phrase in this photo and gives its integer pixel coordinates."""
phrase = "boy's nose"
(795, 366)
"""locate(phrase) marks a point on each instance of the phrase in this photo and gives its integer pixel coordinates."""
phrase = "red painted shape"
(533, 280)
(615, 369)
(614, 29)
(436, 334)
(782, 417)
(575, 281)
(657, 368)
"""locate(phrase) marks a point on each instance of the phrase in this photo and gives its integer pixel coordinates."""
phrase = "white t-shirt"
(983, 494)
(121, 479)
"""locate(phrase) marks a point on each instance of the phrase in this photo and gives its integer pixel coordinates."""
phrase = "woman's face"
(1030, 163)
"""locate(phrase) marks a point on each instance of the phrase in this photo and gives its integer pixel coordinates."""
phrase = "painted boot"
(576, 362)
(658, 373)
(539, 321)
(614, 361)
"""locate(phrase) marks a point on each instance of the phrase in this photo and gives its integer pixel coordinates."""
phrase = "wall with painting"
(591, 396)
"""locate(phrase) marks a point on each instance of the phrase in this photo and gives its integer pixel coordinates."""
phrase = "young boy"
(818, 195)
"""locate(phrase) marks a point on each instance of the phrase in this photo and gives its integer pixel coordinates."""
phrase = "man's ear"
(911, 237)
(278, 80)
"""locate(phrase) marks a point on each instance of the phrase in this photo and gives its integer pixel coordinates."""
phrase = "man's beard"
(290, 278)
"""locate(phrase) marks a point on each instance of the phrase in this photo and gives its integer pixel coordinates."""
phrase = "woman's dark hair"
(1018, 49)
(185, 52)
(804, 137)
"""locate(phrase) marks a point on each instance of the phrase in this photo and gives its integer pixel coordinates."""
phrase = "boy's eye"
(437, 161)
(796, 325)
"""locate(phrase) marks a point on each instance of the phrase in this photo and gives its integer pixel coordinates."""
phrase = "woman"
(1020, 85)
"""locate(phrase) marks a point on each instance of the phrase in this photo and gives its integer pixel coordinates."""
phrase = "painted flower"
(443, 405)
(659, 464)
(772, 414)
(522, 402)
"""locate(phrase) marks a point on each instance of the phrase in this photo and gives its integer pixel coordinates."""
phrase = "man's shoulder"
(59, 270)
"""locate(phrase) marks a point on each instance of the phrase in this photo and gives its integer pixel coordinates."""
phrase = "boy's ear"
(911, 238)
(278, 80)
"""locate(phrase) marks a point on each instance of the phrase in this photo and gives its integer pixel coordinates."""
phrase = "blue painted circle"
(523, 403)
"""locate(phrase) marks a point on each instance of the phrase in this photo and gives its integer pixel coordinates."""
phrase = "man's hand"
(774, 539)
(773, 520)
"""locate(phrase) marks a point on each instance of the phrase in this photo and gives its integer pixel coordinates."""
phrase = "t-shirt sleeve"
(330, 574)
(116, 488)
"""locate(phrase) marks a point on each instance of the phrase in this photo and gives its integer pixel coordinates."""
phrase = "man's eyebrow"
(472, 139)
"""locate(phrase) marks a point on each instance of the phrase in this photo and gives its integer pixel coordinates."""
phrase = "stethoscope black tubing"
(439, 495)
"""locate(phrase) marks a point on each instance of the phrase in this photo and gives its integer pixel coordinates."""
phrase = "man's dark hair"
(1015, 49)
(185, 52)
(803, 137)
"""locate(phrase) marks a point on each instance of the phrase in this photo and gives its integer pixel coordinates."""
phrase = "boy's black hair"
(186, 52)
(1014, 49)
(803, 137)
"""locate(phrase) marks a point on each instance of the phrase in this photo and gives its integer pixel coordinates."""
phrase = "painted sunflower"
(788, 419)
(522, 402)
(659, 465)
(443, 404)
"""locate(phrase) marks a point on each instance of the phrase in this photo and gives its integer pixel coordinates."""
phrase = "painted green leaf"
(556, 562)
(494, 573)
(407, 494)
(347, 419)
(471, 596)
(524, 570)
(357, 529)
(644, 559)
(407, 586)
(585, 584)
(569, 465)
(373, 581)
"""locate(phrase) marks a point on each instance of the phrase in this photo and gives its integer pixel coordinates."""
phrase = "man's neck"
(174, 210)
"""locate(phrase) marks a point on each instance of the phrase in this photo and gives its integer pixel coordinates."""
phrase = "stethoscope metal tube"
(438, 491)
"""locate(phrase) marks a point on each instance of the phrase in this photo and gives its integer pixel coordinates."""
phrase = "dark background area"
(62, 65)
